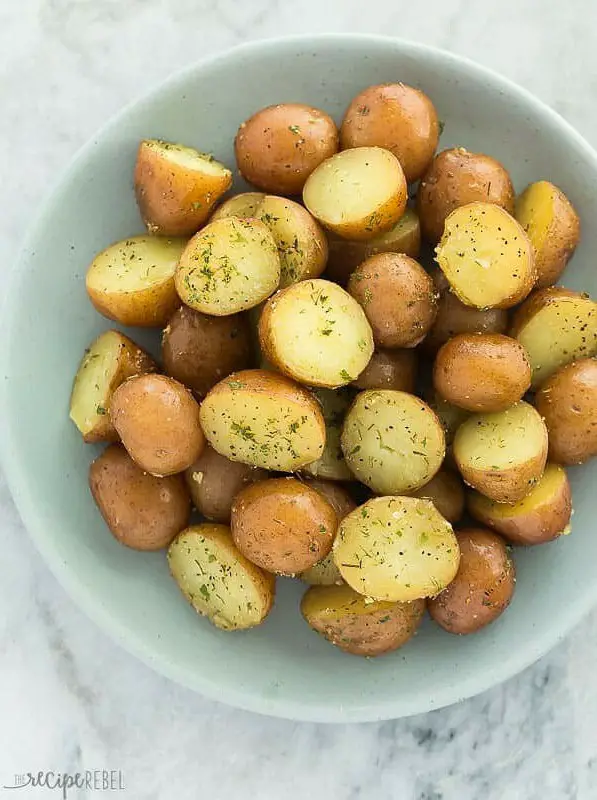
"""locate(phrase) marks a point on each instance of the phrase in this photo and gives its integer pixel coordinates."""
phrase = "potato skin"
(398, 297)
(214, 481)
(157, 419)
(280, 146)
(390, 369)
(351, 623)
(283, 525)
(568, 403)
(456, 178)
(482, 371)
(446, 492)
(142, 511)
(199, 350)
(482, 588)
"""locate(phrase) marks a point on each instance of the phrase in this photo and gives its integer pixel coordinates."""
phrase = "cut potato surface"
(218, 581)
(316, 333)
(555, 326)
(242, 205)
(502, 455)
(396, 549)
(331, 465)
(486, 256)
(230, 265)
(541, 516)
(132, 281)
(264, 419)
(392, 441)
(358, 193)
(177, 186)
(450, 416)
(110, 360)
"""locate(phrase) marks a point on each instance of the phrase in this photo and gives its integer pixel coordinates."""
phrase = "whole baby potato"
(390, 369)
(446, 492)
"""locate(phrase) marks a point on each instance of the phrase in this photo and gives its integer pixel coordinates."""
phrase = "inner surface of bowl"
(281, 668)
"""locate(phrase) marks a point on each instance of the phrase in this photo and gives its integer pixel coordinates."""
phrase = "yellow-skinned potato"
(552, 225)
(157, 419)
(540, 517)
(354, 624)
(264, 419)
(357, 193)
(217, 580)
(177, 186)
(390, 369)
(132, 281)
(396, 549)
(555, 326)
(502, 455)
(316, 333)
(446, 492)
(345, 255)
(231, 265)
(302, 244)
(109, 360)
(331, 465)
(486, 256)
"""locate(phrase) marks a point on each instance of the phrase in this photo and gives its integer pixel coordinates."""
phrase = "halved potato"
(242, 205)
(390, 369)
(555, 326)
(109, 360)
(230, 265)
(358, 193)
(264, 419)
(217, 580)
(331, 465)
(177, 186)
(357, 625)
(541, 516)
(392, 441)
(396, 549)
(486, 256)
(502, 455)
(132, 281)
(446, 492)
(552, 225)
(450, 416)
(316, 333)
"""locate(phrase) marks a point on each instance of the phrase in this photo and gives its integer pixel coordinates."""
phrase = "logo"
(92, 779)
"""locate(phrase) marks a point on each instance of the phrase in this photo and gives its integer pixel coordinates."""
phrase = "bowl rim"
(23, 493)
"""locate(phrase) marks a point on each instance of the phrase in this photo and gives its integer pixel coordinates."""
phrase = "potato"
(541, 516)
(264, 419)
(568, 404)
(356, 625)
(482, 371)
(390, 369)
(157, 419)
(214, 481)
(217, 580)
(280, 146)
(331, 464)
(395, 116)
(177, 187)
(552, 225)
(302, 244)
(398, 297)
(132, 281)
(199, 350)
(325, 572)
(446, 492)
(109, 360)
(450, 416)
(486, 257)
(555, 326)
(503, 454)
(392, 441)
(283, 525)
(142, 511)
(457, 178)
(482, 588)
(396, 549)
(345, 255)
(358, 194)
(231, 265)
(316, 333)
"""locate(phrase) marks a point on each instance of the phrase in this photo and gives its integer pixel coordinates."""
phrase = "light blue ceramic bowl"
(282, 668)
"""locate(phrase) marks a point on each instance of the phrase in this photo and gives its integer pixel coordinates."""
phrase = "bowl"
(281, 668)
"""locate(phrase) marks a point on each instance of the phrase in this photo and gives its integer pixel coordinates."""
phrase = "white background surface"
(71, 700)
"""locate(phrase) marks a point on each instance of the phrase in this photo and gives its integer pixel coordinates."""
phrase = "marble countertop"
(69, 698)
